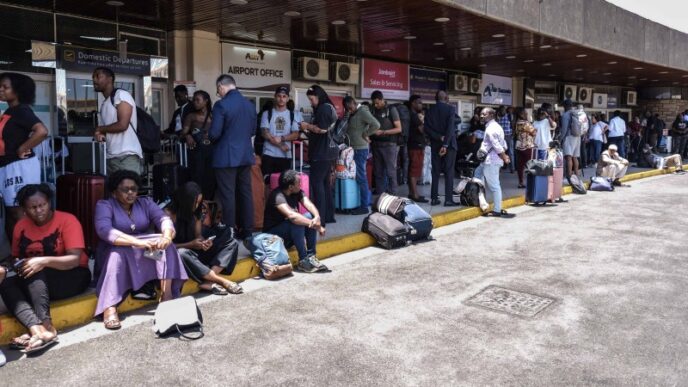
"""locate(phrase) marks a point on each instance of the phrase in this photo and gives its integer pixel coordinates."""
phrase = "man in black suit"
(440, 126)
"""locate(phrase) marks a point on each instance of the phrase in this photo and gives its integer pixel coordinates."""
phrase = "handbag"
(177, 316)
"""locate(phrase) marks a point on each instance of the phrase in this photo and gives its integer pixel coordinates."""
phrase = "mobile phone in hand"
(19, 264)
(211, 237)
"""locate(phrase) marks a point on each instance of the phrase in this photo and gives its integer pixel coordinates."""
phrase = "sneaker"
(306, 266)
(312, 264)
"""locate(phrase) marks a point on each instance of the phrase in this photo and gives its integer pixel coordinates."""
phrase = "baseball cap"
(282, 90)
(613, 147)
(377, 94)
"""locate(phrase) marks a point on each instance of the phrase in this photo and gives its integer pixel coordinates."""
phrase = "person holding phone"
(123, 222)
(205, 258)
(50, 265)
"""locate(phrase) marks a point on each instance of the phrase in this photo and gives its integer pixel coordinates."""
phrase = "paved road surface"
(614, 264)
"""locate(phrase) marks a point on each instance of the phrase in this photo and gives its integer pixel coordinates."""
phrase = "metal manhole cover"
(510, 301)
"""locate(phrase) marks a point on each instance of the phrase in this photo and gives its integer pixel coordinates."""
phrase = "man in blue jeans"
(282, 218)
(495, 148)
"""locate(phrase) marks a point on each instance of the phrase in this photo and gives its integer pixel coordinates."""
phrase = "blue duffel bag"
(419, 221)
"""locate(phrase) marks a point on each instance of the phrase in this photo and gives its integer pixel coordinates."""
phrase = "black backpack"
(147, 131)
(470, 196)
(339, 133)
(405, 118)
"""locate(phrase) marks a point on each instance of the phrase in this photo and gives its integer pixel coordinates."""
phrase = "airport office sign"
(86, 60)
(392, 79)
(257, 68)
(495, 90)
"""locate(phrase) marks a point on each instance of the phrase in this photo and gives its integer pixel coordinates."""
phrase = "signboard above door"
(257, 68)
(86, 60)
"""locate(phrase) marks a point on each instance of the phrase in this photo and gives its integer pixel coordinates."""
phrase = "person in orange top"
(49, 262)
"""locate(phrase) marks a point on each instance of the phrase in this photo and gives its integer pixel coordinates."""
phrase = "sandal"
(216, 290)
(234, 287)
(111, 322)
(21, 342)
(521, 186)
(38, 344)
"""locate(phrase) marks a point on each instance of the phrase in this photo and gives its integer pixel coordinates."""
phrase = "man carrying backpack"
(573, 125)
(384, 144)
(279, 126)
(117, 124)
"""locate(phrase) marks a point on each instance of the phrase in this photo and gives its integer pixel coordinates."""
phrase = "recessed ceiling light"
(482, 65)
(577, 69)
(386, 50)
(498, 35)
(553, 75)
(581, 55)
(684, 76)
(442, 19)
(114, 3)
(238, 2)
(664, 72)
(631, 77)
(655, 80)
(321, 39)
(438, 44)
(607, 74)
(546, 64)
(292, 13)
(439, 58)
(675, 83)
(338, 22)
(98, 38)
(546, 46)
(612, 62)
(29, 50)
(511, 57)
(465, 48)
(410, 37)
(5, 62)
(637, 68)
(528, 61)
(520, 70)
(642, 79)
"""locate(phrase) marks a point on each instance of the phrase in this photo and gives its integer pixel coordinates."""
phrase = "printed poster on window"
(495, 90)
(392, 79)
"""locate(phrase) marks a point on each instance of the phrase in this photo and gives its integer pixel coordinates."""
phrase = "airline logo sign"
(392, 79)
(496, 90)
(257, 68)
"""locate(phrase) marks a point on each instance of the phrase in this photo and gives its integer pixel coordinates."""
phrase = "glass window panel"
(17, 34)
(156, 111)
(86, 33)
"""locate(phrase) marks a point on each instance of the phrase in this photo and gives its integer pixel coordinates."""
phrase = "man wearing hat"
(612, 165)
(279, 127)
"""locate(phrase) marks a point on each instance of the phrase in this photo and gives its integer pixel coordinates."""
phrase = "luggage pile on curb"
(397, 222)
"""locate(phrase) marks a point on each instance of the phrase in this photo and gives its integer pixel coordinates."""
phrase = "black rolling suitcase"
(387, 231)
(167, 177)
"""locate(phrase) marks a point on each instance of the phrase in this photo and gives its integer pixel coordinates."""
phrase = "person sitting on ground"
(203, 257)
(130, 255)
(612, 165)
(50, 263)
(656, 161)
(282, 218)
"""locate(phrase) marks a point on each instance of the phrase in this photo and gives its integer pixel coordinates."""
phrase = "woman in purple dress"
(132, 256)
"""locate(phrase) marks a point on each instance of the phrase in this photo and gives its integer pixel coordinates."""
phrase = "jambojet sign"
(257, 68)
(496, 90)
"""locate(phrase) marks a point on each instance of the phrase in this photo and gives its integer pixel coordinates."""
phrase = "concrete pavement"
(613, 265)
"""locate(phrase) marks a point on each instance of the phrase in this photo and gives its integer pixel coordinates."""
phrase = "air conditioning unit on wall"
(585, 94)
(474, 85)
(345, 72)
(313, 69)
(569, 92)
(459, 83)
(599, 100)
(631, 98)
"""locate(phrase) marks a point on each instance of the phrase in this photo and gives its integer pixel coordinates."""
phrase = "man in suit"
(440, 126)
(233, 125)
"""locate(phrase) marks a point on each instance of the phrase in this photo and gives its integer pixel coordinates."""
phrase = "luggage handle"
(183, 151)
(102, 148)
(293, 155)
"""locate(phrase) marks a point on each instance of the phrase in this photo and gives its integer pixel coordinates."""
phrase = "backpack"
(339, 133)
(599, 183)
(147, 131)
(390, 205)
(577, 185)
(405, 118)
(259, 141)
(470, 196)
(579, 123)
(346, 167)
(270, 254)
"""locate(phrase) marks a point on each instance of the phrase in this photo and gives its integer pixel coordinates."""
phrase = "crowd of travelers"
(149, 250)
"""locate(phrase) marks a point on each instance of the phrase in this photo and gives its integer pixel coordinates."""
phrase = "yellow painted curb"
(79, 310)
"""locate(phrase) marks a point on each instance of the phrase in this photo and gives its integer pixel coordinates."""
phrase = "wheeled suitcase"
(305, 179)
(78, 193)
(387, 231)
(537, 188)
(168, 177)
(346, 194)
(556, 181)
(390, 205)
(419, 221)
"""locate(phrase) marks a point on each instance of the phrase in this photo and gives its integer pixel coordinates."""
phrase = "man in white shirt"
(117, 124)
(279, 127)
(494, 146)
(617, 132)
(613, 166)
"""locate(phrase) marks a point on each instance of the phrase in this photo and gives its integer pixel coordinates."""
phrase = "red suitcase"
(78, 194)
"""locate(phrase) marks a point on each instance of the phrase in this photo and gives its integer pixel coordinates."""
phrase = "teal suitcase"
(346, 195)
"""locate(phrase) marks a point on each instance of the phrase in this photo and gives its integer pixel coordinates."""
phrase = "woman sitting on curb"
(205, 253)
(50, 265)
(131, 256)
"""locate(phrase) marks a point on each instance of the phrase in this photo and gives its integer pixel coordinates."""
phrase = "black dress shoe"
(451, 204)
(435, 202)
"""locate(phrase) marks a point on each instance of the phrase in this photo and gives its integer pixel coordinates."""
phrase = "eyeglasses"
(126, 190)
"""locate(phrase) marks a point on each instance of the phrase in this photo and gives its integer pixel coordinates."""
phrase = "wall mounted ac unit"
(460, 83)
(312, 69)
(570, 92)
(345, 72)
(474, 85)
(599, 100)
(631, 98)
(584, 94)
